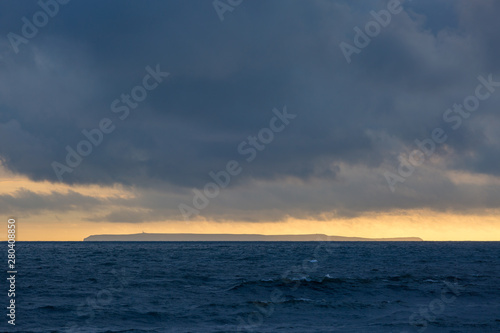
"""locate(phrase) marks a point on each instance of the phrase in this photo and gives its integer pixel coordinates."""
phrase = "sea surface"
(256, 287)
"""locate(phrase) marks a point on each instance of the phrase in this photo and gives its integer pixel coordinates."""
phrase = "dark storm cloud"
(226, 77)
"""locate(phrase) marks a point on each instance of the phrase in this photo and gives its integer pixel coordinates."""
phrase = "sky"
(369, 119)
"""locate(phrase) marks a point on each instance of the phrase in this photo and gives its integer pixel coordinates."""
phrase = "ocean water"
(256, 287)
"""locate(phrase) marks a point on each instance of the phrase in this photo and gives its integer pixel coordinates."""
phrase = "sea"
(110, 287)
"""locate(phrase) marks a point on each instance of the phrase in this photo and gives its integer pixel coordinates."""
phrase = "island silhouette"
(186, 237)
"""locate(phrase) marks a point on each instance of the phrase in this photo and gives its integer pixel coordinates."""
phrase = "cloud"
(225, 80)
(29, 202)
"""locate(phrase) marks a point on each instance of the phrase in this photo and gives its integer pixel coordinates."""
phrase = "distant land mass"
(146, 237)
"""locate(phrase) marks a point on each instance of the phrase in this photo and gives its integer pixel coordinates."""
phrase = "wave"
(402, 281)
(302, 280)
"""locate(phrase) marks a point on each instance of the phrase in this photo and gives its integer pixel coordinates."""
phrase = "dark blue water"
(257, 287)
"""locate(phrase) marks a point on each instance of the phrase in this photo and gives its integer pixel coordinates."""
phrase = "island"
(154, 237)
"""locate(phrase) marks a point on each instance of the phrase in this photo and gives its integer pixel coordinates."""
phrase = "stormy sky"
(345, 150)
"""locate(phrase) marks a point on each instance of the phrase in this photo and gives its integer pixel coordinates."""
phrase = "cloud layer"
(354, 121)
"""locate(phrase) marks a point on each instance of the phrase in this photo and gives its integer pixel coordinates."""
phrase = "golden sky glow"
(321, 132)
(427, 225)
(72, 226)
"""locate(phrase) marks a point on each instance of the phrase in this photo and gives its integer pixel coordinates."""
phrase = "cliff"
(146, 237)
